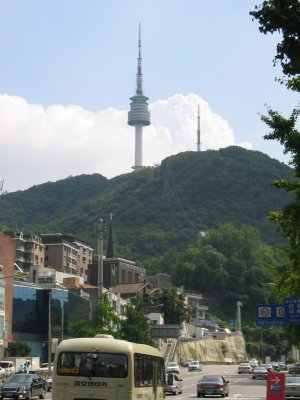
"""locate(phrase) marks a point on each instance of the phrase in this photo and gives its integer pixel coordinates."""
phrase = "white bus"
(107, 369)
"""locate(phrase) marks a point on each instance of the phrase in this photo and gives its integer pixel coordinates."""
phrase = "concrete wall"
(209, 351)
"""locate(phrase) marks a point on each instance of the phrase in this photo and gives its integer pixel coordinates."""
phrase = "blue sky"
(68, 69)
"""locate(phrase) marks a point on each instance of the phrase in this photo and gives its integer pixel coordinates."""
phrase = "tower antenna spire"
(139, 75)
(198, 131)
(139, 115)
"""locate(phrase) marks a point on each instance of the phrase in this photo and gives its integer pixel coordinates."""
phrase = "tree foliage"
(189, 193)
(105, 321)
(135, 326)
(283, 16)
(172, 305)
(19, 348)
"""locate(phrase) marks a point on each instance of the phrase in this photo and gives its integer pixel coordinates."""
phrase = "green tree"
(136, 327)
(283, 17)
(18, 348)
(173, 305)
(105, 321)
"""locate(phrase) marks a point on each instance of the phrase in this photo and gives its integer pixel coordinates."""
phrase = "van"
(8, 367)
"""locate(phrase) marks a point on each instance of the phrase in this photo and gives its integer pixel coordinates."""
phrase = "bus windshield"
(93, 364)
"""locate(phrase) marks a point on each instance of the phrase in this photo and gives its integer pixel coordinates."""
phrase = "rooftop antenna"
(198, 131)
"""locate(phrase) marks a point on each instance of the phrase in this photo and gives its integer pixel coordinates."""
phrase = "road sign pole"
(275, 386)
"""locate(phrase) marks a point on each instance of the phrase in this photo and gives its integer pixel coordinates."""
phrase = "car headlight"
(23, 389)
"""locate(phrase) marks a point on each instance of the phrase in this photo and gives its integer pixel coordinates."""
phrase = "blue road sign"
(292, 310)
(270, 314)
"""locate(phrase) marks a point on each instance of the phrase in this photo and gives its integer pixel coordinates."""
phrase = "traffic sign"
(292, 310)
(275, 386)
(270, 314)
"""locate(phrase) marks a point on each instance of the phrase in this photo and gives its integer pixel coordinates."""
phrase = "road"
(241, 387)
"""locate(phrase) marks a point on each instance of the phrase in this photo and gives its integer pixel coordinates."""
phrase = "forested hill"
(156, 208)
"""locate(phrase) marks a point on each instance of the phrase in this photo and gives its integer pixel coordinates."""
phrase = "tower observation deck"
(139, 115)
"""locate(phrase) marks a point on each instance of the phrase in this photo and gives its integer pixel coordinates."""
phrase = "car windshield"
(194, 362)
(19, 378)
(172, 364)
(211, 378)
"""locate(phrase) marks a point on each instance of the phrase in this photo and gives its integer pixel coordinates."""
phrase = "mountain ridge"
(157, 207)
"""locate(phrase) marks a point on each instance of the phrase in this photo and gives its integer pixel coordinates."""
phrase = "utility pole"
(100, 259)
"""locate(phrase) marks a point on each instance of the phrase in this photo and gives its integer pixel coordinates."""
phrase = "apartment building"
(64, 252)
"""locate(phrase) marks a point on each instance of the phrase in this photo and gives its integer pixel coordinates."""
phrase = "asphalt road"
(241, 386)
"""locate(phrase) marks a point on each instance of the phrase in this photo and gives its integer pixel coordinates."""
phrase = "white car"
(173, 367)
(195, 366)
(245, 368)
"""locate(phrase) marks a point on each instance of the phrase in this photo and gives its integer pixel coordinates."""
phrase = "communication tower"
(139, 115)
(198, 131)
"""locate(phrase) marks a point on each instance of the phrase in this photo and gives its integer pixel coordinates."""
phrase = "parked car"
(212, 385)
(173, 384)
(259, 373)
(292, 386)
(294, 368)
(195, 366)
(244, 368)
(173, 367)
(8, 366)
(23, 386)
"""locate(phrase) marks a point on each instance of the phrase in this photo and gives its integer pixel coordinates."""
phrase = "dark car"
(212, 385)
(23, 386)
(294, 368)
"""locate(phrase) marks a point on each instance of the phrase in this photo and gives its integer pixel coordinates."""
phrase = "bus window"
(92, 364)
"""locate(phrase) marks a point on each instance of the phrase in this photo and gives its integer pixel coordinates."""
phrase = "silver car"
(173, 384)
(292, 386)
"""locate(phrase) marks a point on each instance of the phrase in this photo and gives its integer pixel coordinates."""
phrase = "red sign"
(275, 386)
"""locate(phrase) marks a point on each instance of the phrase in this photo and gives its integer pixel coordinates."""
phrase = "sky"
(68, 69)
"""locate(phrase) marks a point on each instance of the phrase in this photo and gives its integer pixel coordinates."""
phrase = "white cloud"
(41, 144)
